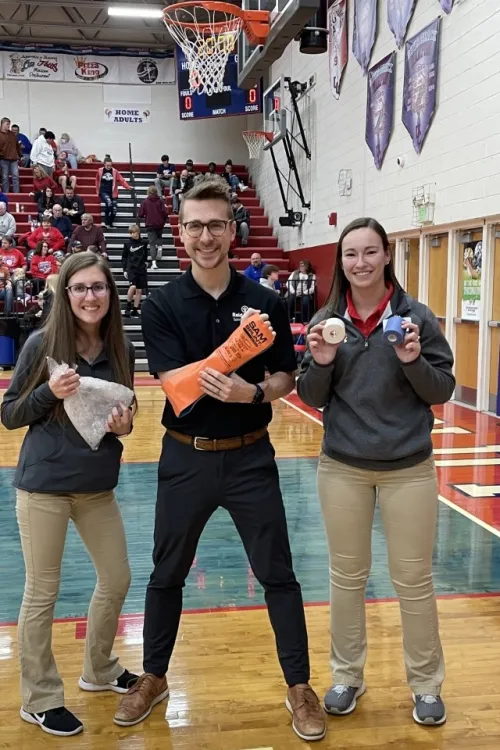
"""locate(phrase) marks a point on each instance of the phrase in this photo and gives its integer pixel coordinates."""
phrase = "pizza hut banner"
(83, 68)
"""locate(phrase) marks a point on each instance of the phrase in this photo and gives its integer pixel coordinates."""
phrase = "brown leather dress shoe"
(309, 721)
(140, 700)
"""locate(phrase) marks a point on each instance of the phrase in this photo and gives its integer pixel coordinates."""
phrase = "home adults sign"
(127, 115)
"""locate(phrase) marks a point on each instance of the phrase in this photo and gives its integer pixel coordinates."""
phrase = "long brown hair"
(59, 332)
(340, 285)
(39, 247)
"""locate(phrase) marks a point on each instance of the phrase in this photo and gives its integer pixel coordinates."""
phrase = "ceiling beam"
(91, 43)
(161, 29)
(82, 5)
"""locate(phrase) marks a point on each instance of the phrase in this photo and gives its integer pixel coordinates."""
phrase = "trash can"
(9, 341)
(7, 351)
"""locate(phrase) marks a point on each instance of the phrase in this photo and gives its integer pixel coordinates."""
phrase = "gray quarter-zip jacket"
(376, 410)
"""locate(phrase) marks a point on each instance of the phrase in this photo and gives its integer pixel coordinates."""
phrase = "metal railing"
(132, 182)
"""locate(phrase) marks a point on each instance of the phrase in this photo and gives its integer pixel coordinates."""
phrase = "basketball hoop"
(207, 32)
(255, 140)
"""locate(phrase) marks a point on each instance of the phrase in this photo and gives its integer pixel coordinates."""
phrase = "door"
(438, 275)
(467, 317)
(412, 266)
(495, 330)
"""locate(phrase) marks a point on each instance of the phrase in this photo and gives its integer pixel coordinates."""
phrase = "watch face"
(259, 396)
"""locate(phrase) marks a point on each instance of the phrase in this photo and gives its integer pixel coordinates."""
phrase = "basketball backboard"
(274, 112)
(287, 18)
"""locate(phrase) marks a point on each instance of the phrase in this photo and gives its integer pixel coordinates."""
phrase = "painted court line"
(449, 503)
(297, 408)
(469, 462)
(471, 517)
(451, 431)
(468, 451)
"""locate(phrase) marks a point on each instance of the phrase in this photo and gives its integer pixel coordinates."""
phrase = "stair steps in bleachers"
(174, 259)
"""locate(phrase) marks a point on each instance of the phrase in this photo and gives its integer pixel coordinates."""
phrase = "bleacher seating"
(174, 259)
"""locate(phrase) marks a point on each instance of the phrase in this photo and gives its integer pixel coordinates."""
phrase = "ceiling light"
(135, 12)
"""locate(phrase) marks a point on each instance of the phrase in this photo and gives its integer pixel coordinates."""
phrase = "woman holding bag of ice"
(59, 477)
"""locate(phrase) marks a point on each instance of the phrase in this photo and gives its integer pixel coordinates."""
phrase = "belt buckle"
(202, 439)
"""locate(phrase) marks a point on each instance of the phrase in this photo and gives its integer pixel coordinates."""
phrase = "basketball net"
(255, 140)
(206, 43)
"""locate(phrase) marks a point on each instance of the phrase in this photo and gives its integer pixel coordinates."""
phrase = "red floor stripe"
(138, 619)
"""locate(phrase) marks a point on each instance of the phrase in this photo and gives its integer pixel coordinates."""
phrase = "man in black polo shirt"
(219, 454)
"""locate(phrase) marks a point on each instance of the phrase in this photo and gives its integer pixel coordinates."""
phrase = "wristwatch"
(259, 395)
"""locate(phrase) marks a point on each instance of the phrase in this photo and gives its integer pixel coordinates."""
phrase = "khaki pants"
(43, 522)
(408, 500)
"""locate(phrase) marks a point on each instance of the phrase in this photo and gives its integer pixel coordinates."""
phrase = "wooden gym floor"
(227, 691)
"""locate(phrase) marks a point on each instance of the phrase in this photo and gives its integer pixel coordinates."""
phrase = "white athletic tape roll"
(334, 331)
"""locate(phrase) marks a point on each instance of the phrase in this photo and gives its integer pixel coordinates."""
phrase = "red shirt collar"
(368, 326)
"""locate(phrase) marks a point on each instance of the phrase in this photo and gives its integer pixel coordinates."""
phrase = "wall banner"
(365, 29)
(76, 67)
(338, 44)
(399, 13)
(471, 286)
(127, 115)
(32, 66)
(380, 107)
(420, 82)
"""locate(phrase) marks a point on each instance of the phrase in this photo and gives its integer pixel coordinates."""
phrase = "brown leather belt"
(222, 444)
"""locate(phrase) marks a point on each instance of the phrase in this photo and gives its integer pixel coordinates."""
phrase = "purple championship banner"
(365, 28)
(399, 13)
(447, 5)
(338, 44)
(420, 82)
(380, 107)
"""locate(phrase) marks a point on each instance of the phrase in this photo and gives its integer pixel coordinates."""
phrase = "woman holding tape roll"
(377, 400)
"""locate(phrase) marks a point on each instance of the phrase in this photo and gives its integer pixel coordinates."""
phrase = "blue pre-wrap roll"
(394, 332)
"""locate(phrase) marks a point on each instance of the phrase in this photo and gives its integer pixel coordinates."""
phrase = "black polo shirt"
(183, 324)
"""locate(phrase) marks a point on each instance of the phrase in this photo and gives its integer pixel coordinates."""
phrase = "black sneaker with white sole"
(341, 699)
(121, 685)
(429, 710)
(57, 721)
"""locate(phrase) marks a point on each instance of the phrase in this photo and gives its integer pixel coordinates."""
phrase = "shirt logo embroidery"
(237, 316)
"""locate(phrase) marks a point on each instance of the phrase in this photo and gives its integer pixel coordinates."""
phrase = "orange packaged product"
(249, 340)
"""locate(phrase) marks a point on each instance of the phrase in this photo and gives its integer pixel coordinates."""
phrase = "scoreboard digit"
(231, 101)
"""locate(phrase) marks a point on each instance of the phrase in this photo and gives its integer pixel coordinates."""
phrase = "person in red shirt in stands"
(41, 180)
(14, 260)
(42, 265)
(10, 256)
(48, 233)
(62, 173)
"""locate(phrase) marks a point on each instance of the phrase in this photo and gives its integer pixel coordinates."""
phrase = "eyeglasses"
(216, 227)
(98, 289)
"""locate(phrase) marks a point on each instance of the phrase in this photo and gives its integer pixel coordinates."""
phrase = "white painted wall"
(79, 110)
(462, 151)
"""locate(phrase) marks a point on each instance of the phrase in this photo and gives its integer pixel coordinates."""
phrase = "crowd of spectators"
(63, 226)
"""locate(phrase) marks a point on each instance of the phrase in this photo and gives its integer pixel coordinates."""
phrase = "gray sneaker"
(429, 709)
(341, 699)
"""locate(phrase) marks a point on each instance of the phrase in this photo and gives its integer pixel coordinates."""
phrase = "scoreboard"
(231, 101)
